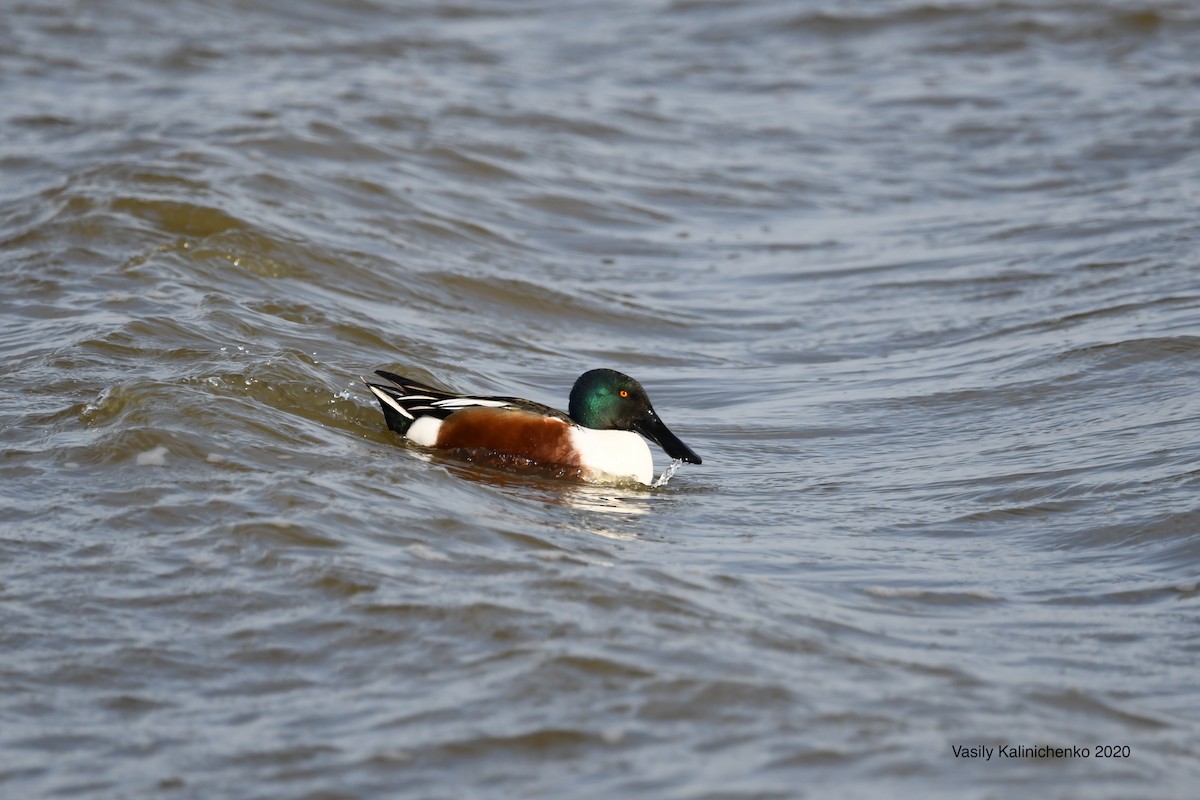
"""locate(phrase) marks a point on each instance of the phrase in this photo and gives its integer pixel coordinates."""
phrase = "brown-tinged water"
(920, 281)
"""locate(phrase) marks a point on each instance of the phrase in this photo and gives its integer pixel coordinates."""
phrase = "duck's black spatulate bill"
(653, 429)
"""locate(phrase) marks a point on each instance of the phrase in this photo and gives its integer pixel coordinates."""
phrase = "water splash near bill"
(668, 473)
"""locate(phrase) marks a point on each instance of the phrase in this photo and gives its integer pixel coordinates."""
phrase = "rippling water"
(919, 282)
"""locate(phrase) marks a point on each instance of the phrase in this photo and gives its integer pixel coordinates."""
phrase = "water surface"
(918, 281)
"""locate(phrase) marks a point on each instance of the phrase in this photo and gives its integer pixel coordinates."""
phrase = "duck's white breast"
(619, 454)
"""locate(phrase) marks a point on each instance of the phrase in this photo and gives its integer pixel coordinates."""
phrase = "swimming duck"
(597, 440)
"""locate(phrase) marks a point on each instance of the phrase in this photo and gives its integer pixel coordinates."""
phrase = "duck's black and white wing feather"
(404, 401)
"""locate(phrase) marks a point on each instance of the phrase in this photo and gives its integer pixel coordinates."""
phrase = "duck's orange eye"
(624, 393)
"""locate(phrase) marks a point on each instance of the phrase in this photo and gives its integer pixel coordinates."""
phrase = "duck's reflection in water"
(555, 487)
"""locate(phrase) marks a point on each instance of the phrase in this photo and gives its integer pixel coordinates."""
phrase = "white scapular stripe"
(391, 401)
(463, 402)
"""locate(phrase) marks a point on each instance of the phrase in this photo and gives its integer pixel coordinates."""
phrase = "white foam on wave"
(155, 457)
(427, 553)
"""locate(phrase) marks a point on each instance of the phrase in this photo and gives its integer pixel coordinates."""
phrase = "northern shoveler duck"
(597, 440)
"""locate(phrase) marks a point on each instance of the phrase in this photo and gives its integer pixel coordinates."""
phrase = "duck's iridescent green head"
(605, 399)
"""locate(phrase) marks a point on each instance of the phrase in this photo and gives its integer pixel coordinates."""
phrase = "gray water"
(918, 281)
